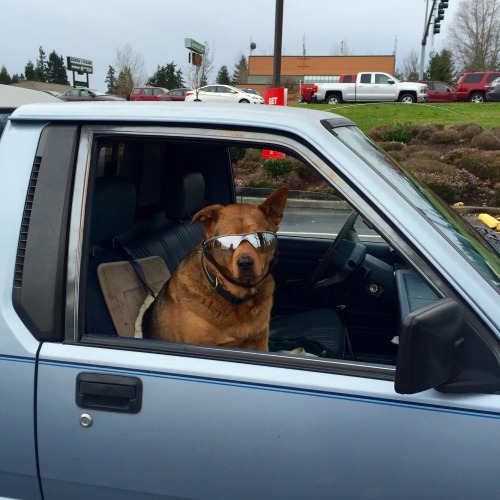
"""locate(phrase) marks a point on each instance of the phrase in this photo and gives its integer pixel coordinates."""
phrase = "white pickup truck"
(372, 86)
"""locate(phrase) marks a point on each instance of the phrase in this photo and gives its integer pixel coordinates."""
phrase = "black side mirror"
(391, 82)
(431, 347)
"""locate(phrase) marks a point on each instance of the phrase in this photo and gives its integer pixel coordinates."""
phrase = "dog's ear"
(208, 217)
(274, 205)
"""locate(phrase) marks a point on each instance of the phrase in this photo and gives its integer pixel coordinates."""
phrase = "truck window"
(381, 78)
(366, 78)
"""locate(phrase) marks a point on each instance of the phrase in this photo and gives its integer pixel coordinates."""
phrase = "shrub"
(482, 164)
(453, 157)
(445, 137)
(237, 153)
(486, 140)
(392, 146)
(466, 131)
(401, 132)
(495, 196)
(451, 186)
(278, 166)
(424, 132)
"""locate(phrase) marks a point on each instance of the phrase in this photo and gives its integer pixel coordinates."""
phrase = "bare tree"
(409, 69)
(343, 49)
(130, 62)
(475, 35)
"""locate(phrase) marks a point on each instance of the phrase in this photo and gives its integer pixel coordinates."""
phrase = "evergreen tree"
(111, 80)
(5, 78)
(17, 78)
(240, 72)
(441, 67)
(30, 72)
(41, 65)
(56, 69)
(125, 82)
(166, 76)
(223, 76)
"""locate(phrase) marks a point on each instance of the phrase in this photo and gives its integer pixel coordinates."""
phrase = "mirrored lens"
(261, 241)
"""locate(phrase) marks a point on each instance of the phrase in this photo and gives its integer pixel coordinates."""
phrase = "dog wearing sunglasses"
(222, 292)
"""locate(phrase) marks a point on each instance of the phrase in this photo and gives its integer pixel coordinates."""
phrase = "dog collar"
(220, 289)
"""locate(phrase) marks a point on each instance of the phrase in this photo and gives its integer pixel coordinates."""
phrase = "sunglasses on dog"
(263, 241)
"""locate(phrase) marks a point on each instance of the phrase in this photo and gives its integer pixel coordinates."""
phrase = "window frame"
(75, 282)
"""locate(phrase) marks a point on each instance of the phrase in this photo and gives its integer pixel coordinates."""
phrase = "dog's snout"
(245, 262)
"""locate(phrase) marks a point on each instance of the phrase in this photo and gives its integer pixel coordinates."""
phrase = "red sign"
(276, 96)
(269, 153)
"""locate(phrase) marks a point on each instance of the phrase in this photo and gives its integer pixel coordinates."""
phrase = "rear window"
(137, 91)
(492, 77)
(473, 78)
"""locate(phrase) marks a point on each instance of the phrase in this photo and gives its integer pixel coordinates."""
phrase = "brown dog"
(222, 292)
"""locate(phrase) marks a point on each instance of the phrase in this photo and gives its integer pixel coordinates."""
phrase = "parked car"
(86, 94)
(11, 97)
(400, 293)
(493, 94)
(251, 91)
(472, 87)
(174, 95)
(147, 93)
(223, 93)
(439, 91)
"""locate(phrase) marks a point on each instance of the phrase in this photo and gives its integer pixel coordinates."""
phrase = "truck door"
(130, 418)
(382, 89)
(364, 87)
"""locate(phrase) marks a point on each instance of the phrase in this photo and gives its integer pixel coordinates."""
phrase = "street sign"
(193, 45)
(80, 65)
(80, 84)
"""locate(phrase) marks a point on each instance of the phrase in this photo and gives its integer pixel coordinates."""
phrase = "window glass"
(381, 78)
(136, 91)
(492, 77)
(473, 78)
(366, 78)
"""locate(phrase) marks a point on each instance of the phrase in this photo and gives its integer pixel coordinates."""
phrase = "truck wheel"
(407, 98)
(476, 97)
(333, 99)
(246, 101)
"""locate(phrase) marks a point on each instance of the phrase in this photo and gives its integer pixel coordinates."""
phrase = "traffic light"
(443, 4)
(437, 26)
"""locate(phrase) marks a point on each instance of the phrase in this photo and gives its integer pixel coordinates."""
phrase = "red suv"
(146, 93)
(473, 86)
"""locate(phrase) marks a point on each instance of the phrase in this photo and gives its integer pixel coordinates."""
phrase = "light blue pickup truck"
(389, 299)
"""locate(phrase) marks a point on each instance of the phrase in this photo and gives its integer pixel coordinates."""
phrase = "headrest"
(186, 196)
(113, 208)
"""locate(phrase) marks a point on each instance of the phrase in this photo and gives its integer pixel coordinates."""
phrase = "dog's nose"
(245, 262)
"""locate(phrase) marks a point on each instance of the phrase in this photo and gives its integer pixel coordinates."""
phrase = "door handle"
(106, 392)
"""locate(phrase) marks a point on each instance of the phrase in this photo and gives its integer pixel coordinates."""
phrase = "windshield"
(455, 228)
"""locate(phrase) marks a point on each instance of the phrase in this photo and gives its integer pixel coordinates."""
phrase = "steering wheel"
(322, 266)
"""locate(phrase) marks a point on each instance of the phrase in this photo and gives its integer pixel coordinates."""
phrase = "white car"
(223, 93)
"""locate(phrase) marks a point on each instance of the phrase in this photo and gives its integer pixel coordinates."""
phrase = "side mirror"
(431, 347)
(391, 82)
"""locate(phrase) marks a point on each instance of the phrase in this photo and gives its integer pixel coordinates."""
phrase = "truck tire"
(333, 99)
(246, 101)
(477, 97)
(407, 99)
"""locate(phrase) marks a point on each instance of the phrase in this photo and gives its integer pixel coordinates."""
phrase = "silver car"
(383, 374)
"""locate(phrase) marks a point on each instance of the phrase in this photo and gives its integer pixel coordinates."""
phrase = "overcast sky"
(95, 29)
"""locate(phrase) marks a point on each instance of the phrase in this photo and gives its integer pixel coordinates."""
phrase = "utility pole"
(278, 35)
(427, 22)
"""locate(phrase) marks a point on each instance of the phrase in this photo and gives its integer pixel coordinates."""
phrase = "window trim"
(253, 138)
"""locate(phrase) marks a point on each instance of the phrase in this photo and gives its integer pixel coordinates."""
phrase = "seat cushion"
(322, 326)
